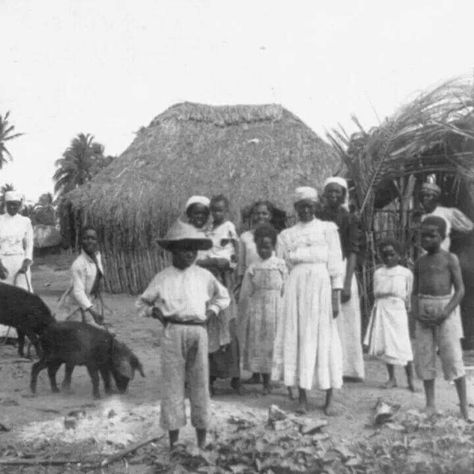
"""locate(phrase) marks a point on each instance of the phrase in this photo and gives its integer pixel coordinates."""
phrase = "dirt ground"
(34, 421)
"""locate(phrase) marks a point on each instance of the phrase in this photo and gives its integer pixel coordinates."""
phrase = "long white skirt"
(13, 263)
(387, 335)
(350, 333)
(312, 354)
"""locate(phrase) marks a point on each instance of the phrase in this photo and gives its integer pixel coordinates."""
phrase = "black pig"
(76, 343)
(26, 312)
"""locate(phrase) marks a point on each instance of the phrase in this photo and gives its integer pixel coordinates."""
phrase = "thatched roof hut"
(245, 152)
(431, 136)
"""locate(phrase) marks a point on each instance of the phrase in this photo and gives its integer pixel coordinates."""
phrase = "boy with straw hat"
(183, 297)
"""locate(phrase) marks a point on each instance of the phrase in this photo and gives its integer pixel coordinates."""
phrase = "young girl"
(261, 213)
(387, 334)
(263, 284)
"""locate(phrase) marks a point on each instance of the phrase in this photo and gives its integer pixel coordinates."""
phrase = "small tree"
(83, 159)
(6, 134)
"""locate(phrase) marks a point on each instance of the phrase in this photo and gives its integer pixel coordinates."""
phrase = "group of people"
(282, 306)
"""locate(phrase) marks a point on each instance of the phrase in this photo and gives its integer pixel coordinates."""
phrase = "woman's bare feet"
(390, 383)
(302, 407)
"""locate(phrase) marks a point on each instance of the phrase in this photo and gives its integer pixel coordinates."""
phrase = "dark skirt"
(226, 364)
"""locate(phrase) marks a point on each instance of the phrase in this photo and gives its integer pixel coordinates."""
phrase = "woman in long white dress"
(16, 247)
(311, 347)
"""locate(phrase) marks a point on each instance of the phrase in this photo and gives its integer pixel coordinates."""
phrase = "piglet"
(26, 312)
(76, 343)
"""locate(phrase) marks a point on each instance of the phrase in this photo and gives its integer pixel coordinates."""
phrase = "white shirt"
(16, 236)
(184, 294)
(83, 275)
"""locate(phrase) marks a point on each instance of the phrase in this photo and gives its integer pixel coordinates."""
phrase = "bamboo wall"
(131, 270)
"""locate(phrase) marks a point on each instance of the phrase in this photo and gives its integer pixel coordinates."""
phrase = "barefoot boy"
(436, 309)
(183, 297)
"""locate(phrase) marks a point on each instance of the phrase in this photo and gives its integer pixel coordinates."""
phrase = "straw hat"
(185, 236)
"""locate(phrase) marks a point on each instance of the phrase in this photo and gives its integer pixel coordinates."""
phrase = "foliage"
(6, 134)
(432, 133)
(81, 161)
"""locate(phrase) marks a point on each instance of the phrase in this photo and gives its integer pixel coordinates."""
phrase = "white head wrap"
(13, 196)
(336, 180)
(305, 193)
(341, 182)
(197, 200)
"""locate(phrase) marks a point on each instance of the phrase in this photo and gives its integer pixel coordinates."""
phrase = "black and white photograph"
(237, 237)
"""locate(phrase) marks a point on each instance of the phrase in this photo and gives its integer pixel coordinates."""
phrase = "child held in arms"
(388, 335)
(183, 297)
(437, 291)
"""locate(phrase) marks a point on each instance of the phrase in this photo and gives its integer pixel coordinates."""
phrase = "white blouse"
(16, 236)
(315, 242)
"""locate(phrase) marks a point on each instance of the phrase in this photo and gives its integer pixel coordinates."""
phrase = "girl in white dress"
(260, 214)
(263, 282)
(388, 334)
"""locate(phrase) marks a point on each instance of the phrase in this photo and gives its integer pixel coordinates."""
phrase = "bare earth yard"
(240, 439)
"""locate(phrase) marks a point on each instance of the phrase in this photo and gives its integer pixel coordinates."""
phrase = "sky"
(109, 67)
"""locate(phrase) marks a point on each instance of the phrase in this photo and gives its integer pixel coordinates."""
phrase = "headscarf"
(203, 200)
(431, 187)
(343, 183)
(13, 196)
(305, 193)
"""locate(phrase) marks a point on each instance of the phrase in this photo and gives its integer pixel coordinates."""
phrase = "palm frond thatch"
(419, 137)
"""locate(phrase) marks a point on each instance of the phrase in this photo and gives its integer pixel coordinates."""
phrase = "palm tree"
(79, 163)
(6, 134)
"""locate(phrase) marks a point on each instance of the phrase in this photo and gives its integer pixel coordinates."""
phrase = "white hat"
(185, 234)
(305, 193)
(336, 180)
(203, 200)
(13, 196)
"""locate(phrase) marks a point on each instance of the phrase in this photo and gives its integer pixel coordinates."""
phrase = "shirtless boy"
(436, 309)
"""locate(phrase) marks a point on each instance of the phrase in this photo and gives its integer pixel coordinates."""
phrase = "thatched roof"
(245, 152)
(434, 133)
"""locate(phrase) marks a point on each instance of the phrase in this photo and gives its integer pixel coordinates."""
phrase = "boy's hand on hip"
(157, 314)
(210, 314)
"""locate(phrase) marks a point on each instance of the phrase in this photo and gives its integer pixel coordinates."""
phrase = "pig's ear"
(137, 365)
(140, 368)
